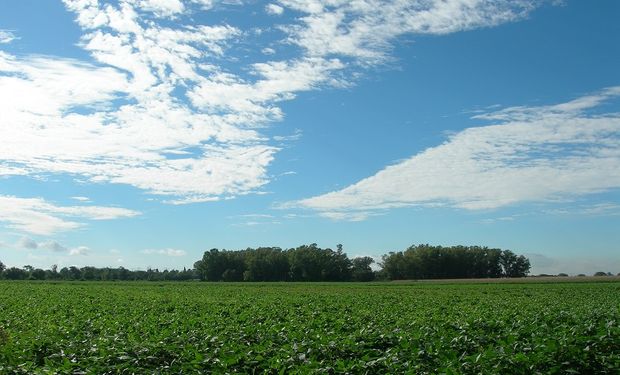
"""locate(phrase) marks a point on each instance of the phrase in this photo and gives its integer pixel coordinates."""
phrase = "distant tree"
(37, 274)
(15, 273)
(380, 275)
(600, 273)
(265, 264)
(105, 274)
(432, 262)
(513, 265)
(581, 275)
(210, 267)
(395, 267)
(52, 273)
(88, 273)
(232, 274)
(562, 274)
(335, 265)
(361, 270)
(305, 264)
(64, 273)
(522, 267)
(2, 268)
(75, 273)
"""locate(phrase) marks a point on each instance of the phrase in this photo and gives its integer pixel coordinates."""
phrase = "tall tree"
(432, 262)
(360, 269)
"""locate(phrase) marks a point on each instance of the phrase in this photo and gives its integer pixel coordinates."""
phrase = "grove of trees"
(94, 274)
(455, 262)
(304, 263)
(308, 263)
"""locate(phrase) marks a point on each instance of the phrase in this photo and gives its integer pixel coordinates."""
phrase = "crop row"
(74, 328)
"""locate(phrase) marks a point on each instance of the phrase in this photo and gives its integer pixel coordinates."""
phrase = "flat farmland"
(277, 328)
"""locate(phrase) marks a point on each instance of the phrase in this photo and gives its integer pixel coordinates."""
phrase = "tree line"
(311, 263)
(308, 263)
(456, 262)
(94, 274)
(304, 263)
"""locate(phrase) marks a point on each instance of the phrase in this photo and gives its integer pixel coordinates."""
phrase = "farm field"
(374, 328)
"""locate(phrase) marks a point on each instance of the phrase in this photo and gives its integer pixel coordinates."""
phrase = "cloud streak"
(530, 154)
(7, 37)
(159, 109)
(37, 216)
(28, 243)
(166, 252)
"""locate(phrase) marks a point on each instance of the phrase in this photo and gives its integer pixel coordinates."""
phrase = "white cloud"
(30, 244)
(27, 243)
(364, 29)
(274, 9)
(80, 250)
(162, 8)
(346, 216)
(253, 220)
(35, 215)
(206, 4)
(81, 199)
(120, 119)
(7, 37)
(259, 216)
(289, 138)
(533, 154)
(61, 125)
(167, 252)
(597, 209)
(53, 246)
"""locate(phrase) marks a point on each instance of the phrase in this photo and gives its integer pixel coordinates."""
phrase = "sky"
(140, 133)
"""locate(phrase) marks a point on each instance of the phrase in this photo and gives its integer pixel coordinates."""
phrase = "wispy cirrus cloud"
(159, 108)
(167, 252)
(531, 154)
(7, 36)
(274, 9)
(80, 250)
(28, 243)
(364, 30)
(37, 216)
(81, 199)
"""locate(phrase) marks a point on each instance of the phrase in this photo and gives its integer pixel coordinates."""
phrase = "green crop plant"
(263, 328)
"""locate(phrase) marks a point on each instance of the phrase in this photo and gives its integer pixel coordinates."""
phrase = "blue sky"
(140, 133)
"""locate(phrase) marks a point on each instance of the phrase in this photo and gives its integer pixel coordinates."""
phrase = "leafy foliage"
(304, 263)
(419, 328)
(456, 262)
(96, 274)
(308, 263)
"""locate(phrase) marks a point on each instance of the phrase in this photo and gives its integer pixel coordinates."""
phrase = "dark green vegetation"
(311, 263)
(304, 263)
(457, 262)
(308, 263)
(90, 273)
(418, 328)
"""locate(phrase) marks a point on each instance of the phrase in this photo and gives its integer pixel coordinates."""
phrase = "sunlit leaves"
(419, 328)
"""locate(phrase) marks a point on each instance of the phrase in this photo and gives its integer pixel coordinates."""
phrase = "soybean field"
(322, 328)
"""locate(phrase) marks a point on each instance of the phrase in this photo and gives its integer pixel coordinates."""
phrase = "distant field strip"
(262, 328)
